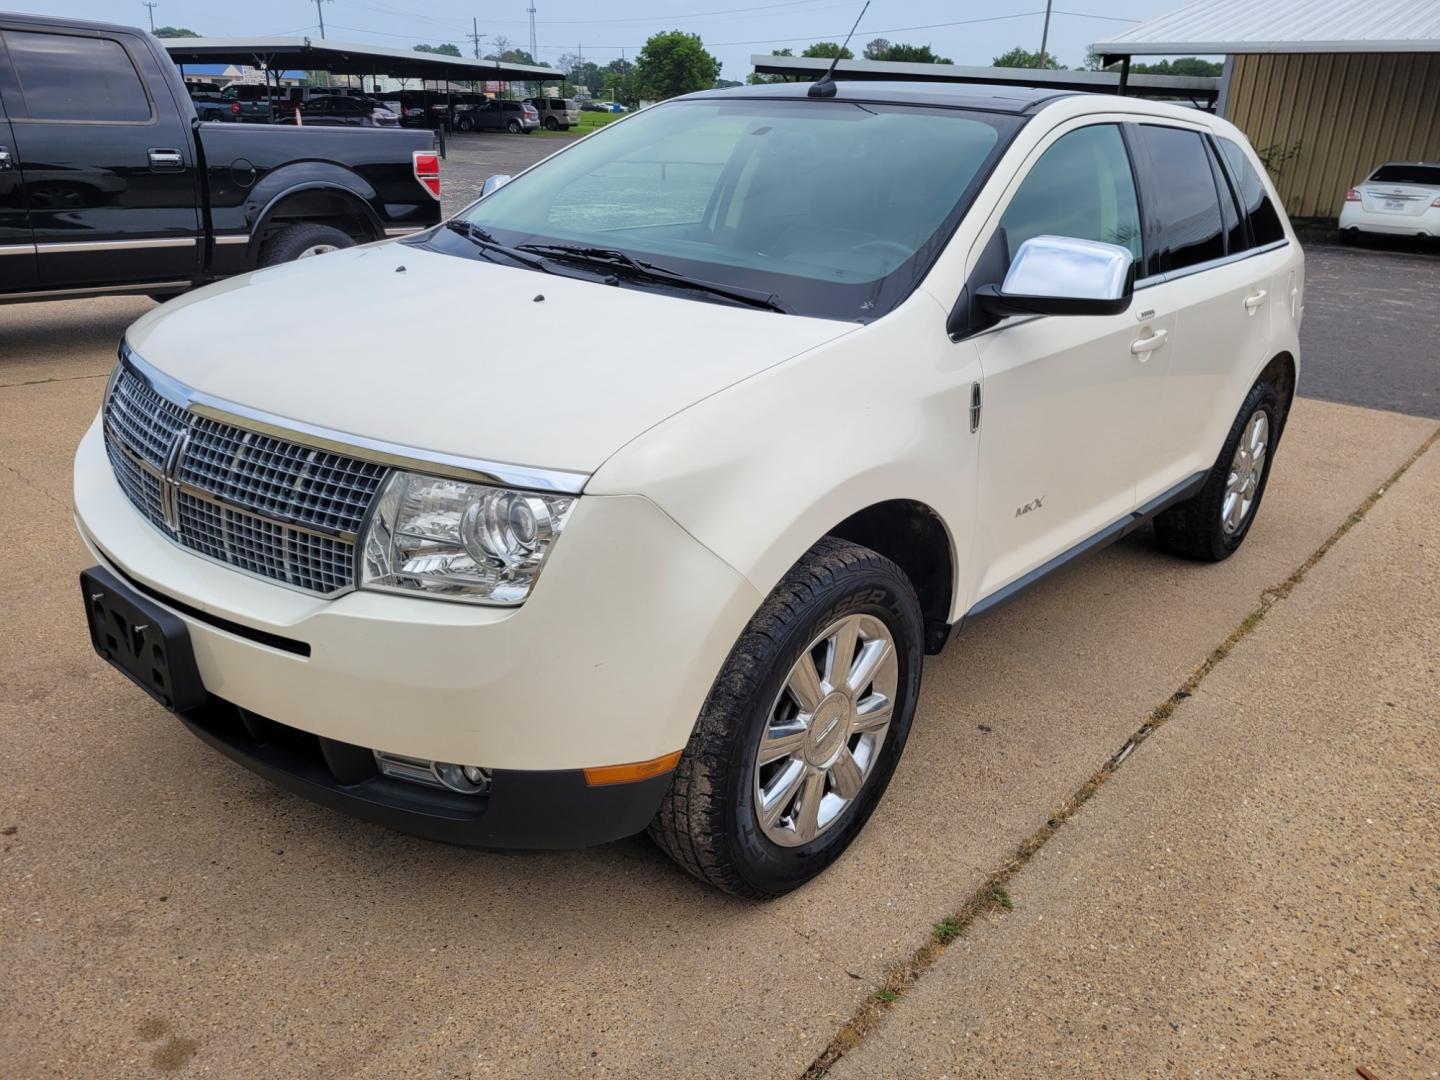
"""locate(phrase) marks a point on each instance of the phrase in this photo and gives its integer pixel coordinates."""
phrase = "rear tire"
(551, 124)
(513, 127)
(464, 124)
(297, 241)
(1211, 525)
(710, 821)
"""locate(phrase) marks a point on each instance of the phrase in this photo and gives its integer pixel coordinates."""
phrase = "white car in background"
(781, 385)
(1400, 198)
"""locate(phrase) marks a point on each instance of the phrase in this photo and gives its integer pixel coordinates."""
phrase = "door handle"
(1143, 347)
(6, 164)
(1254, 300)
(166, 159)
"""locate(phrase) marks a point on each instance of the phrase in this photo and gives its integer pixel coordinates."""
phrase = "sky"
(733, 30)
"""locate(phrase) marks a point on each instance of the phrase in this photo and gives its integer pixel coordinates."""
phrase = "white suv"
(779, 388)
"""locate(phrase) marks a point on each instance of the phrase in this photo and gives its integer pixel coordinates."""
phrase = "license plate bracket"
(147, 644)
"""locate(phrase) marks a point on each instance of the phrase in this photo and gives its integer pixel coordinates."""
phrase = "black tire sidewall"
(286, 245)
(1262, 396)
(769, 867)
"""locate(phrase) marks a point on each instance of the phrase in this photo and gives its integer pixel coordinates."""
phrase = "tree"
(440, 50)
(674, 63)
(1186, 65)
(1023, 58)
(828, 50)
(174, 32)
(882, 49)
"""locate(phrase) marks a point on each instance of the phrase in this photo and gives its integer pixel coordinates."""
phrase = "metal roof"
(346, 58)
(1103, 82)
(1284, 26)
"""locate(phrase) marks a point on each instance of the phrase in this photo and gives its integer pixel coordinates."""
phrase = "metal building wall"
(1346, 113)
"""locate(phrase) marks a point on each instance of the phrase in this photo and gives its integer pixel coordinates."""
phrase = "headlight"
(459, 541)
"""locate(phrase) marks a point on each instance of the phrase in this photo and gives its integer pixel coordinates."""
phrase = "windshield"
(836, 208)
(1408, 174)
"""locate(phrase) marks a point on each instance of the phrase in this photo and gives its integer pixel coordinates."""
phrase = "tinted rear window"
(1265, 224)
(1408, 174)
(76, 78)
(1184, 195)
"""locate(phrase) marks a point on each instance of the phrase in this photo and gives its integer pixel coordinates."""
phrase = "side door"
(1216, 280)
(109, 167)
(1065, 399)
(17, 248)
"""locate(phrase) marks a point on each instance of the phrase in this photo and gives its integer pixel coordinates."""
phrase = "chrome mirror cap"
(497, 180)
(1061, 275)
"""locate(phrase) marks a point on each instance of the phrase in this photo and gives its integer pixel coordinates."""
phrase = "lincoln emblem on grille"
(170, 481)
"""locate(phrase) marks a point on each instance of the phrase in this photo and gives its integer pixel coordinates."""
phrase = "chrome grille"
(260, 503)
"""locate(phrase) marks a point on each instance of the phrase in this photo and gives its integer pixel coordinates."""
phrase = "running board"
(1106, 536)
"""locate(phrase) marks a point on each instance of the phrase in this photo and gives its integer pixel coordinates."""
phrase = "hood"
(462, 356)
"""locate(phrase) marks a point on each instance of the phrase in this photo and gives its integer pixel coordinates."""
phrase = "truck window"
(76, 78)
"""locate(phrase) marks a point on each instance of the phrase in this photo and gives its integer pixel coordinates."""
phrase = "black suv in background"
(109, 184)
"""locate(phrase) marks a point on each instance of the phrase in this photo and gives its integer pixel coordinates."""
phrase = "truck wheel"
(513, 127)
(801, 731)
(1211, 525)
(301, 241)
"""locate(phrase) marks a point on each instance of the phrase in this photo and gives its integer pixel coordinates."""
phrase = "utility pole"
(1045, 34)
(320, 12)
(475, 35)
(152, 6)
(533, 48)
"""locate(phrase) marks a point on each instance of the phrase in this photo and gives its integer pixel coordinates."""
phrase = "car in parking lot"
(336, 110)
(780, 385)
(1400, 198)
(556, 114)
(492, 114)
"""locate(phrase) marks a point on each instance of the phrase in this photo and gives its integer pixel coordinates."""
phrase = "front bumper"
(528, 810)
(607, 663)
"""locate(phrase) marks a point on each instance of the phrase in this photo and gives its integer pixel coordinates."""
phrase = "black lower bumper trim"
(524, 809)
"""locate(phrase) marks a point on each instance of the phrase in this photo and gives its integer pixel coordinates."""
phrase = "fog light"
(466, 779)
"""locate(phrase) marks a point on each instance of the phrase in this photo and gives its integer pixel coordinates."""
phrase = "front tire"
(802, 730)
(1211, 525)
(551, 124)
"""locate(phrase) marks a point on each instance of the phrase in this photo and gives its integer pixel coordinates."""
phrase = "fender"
(307, 176)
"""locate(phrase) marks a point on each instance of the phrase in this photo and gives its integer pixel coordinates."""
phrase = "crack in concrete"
(986, 898)
(41, 382)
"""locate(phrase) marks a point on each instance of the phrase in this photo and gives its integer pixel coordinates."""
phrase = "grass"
(589, 121)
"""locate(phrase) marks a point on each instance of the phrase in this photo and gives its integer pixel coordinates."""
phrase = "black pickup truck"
(110, 184)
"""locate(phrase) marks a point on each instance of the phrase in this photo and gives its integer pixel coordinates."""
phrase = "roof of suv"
(987, 96)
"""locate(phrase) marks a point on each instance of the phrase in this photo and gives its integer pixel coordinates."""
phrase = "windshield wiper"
(621, 262)
(487, 244)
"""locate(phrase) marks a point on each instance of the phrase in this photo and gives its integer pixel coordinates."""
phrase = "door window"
(1265, 227)
(1186, 201)
(76, 78)
(1081, 187)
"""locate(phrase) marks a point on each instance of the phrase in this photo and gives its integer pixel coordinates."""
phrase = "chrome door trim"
(407, 230)
(395, 455)
(69, 246)
(17, 249)
(243, 238)
(95, 290)
(1224, 260)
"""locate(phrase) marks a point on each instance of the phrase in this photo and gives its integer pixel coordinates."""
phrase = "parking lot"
(163, 910)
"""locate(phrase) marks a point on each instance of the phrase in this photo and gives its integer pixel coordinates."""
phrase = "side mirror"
(498, 180)
(1059, 275)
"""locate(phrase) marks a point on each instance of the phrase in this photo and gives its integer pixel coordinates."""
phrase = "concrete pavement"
(162, 910)
(1255, 892)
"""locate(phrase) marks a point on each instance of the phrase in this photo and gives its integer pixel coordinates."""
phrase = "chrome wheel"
(316, 249)
(825, 728)
(1247, 468)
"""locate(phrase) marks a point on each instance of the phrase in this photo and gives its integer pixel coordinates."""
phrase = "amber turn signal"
(628, 774)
